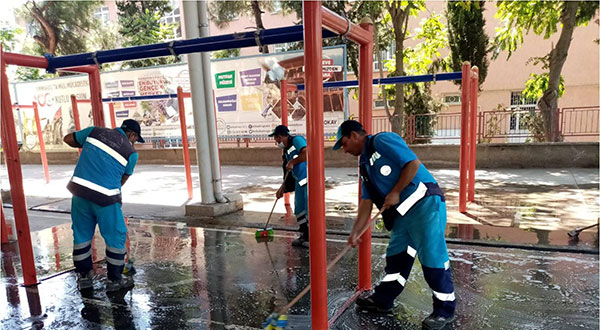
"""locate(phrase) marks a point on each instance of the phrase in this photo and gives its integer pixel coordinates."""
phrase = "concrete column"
(192, 28)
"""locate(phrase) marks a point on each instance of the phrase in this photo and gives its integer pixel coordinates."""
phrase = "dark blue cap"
(345, 129)
(134, 126)
(280, 130)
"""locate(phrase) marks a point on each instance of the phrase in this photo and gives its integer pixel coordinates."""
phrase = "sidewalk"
(532, 206)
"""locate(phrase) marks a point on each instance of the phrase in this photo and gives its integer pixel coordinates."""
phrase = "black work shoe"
(85, 281)
(437, 322)
(367, 304)
(300, 242)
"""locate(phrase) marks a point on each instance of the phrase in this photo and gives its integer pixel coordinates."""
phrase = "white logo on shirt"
(374, 157)
(385, 170)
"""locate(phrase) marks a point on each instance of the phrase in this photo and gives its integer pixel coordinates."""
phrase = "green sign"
(225, 79)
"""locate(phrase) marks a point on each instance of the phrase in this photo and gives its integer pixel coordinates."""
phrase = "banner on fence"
(245, 104)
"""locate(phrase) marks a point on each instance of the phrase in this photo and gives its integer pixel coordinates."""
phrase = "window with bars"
(452, 99)
(102, 14)
(173, 17)
(387, 54)
(519, 105)
(379, 104)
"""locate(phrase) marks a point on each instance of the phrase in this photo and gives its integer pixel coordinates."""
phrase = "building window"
(102, 14)
(452, 99)
(519, 105)
(173, 17)
(386, 55)
(379, 104)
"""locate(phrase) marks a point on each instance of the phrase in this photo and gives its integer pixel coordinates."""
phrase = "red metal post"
(313, 60)
(365, 98)
(75, 114)
(473, 135)
(284, 120)
(15, 177)
(464, 137)
(41, 141)
(26, 60)
(4, 228)
(339, 25)
(113, 120)
(184, 141)
(95, 91)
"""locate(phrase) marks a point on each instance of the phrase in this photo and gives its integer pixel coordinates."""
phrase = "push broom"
(278, 321)
(268, 232)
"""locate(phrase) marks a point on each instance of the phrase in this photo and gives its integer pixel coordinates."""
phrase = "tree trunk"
(400, 22)
(548, 104)
(48, 40)
(259, 24)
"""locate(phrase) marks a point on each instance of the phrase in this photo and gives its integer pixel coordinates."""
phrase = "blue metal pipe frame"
(179, 47)
(393, 80)
(140, 98)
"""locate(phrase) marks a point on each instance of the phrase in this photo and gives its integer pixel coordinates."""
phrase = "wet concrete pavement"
(221, 278)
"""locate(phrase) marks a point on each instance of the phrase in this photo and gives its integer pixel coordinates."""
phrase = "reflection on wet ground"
(209, 278)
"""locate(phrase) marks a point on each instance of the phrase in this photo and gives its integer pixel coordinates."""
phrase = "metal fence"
(516, 125)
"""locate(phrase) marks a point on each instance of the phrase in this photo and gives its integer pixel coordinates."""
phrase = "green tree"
(223, 12)
(225, 53)
(543, 18)
(140, 24)
(400, 11)
(8, 37)
(466, 36)
(423, 58)
(60, 27)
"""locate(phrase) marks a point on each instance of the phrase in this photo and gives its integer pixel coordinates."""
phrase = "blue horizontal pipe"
(179, 47)
(393, 80)
(140, 98)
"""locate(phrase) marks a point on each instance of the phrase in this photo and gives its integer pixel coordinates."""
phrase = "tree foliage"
(224, 12)
(60, 27)
(8, 37)
(466, 36)
(544, 19)
(140, 24)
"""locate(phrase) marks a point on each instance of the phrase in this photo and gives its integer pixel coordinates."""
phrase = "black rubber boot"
(302, 241)
(437, 322)
(368, 304)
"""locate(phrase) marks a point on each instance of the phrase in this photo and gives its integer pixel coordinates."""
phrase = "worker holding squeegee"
(414, 210)
(294, 150)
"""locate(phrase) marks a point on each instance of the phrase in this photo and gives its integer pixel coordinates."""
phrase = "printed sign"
(251, 77)
(227, 103)
(225, 79)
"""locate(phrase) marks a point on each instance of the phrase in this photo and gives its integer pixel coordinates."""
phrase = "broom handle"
(330, 265)
(270, 214)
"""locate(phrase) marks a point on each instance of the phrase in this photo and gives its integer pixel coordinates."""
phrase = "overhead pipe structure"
(393, 80)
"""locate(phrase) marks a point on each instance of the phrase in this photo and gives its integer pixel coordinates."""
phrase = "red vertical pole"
(284, 120)
(41, 141)
(464, 137)
(15, 177)
(365, 98)
(75, 114)
(473, 135)
(313, 61)
(113, 120)
(184, 141)
(4, 228)
(96, 97)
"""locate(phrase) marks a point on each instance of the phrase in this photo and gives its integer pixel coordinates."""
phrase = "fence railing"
(515, 125)
(506, 126)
